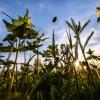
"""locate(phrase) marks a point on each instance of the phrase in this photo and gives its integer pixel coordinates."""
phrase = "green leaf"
(89, 58)
(90, 52)
(79, 26)
(9, 37)
(17, 22)
(70, 25)
(70, 41)
(6, 49)
(83, 27)
(20, 30)
(74, 24)
(88, 38)
(26, 14)
(94, 57)
(10, 27)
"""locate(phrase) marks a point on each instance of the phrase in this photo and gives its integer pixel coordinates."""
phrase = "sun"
(77, 64)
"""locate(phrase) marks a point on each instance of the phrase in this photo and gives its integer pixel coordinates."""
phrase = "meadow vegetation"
(56, 76)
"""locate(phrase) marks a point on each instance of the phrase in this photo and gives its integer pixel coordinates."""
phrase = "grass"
(56, 77)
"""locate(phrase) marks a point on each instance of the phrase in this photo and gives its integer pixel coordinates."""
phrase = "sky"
(42, 12)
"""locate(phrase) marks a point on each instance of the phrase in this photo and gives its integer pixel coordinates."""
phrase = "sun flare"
(77, 64)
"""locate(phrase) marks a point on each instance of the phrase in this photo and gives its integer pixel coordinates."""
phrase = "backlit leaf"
(88, 38)
(10, 27)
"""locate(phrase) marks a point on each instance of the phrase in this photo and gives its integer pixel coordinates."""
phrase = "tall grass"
(55, 76)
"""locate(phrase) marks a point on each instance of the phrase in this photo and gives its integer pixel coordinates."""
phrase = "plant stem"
(87, 65)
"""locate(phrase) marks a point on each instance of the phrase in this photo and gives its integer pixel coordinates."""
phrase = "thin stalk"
(96, 69)
(7, 59)
(16, 62)
(77, 86)
(37, 64)
(87, 65)
(24, 55)
(53, 44)
(25, 72)
(15, 66)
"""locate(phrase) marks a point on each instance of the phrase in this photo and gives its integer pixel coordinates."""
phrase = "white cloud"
(61, 36)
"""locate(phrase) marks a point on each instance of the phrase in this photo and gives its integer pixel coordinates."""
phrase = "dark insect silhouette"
(98, 13)
(98, 8)
(54, 19)
(98, 19)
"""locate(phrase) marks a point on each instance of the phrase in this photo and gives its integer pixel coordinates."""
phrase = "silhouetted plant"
(52, 76)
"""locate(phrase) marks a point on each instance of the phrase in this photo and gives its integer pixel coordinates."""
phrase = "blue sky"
(42, 12)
